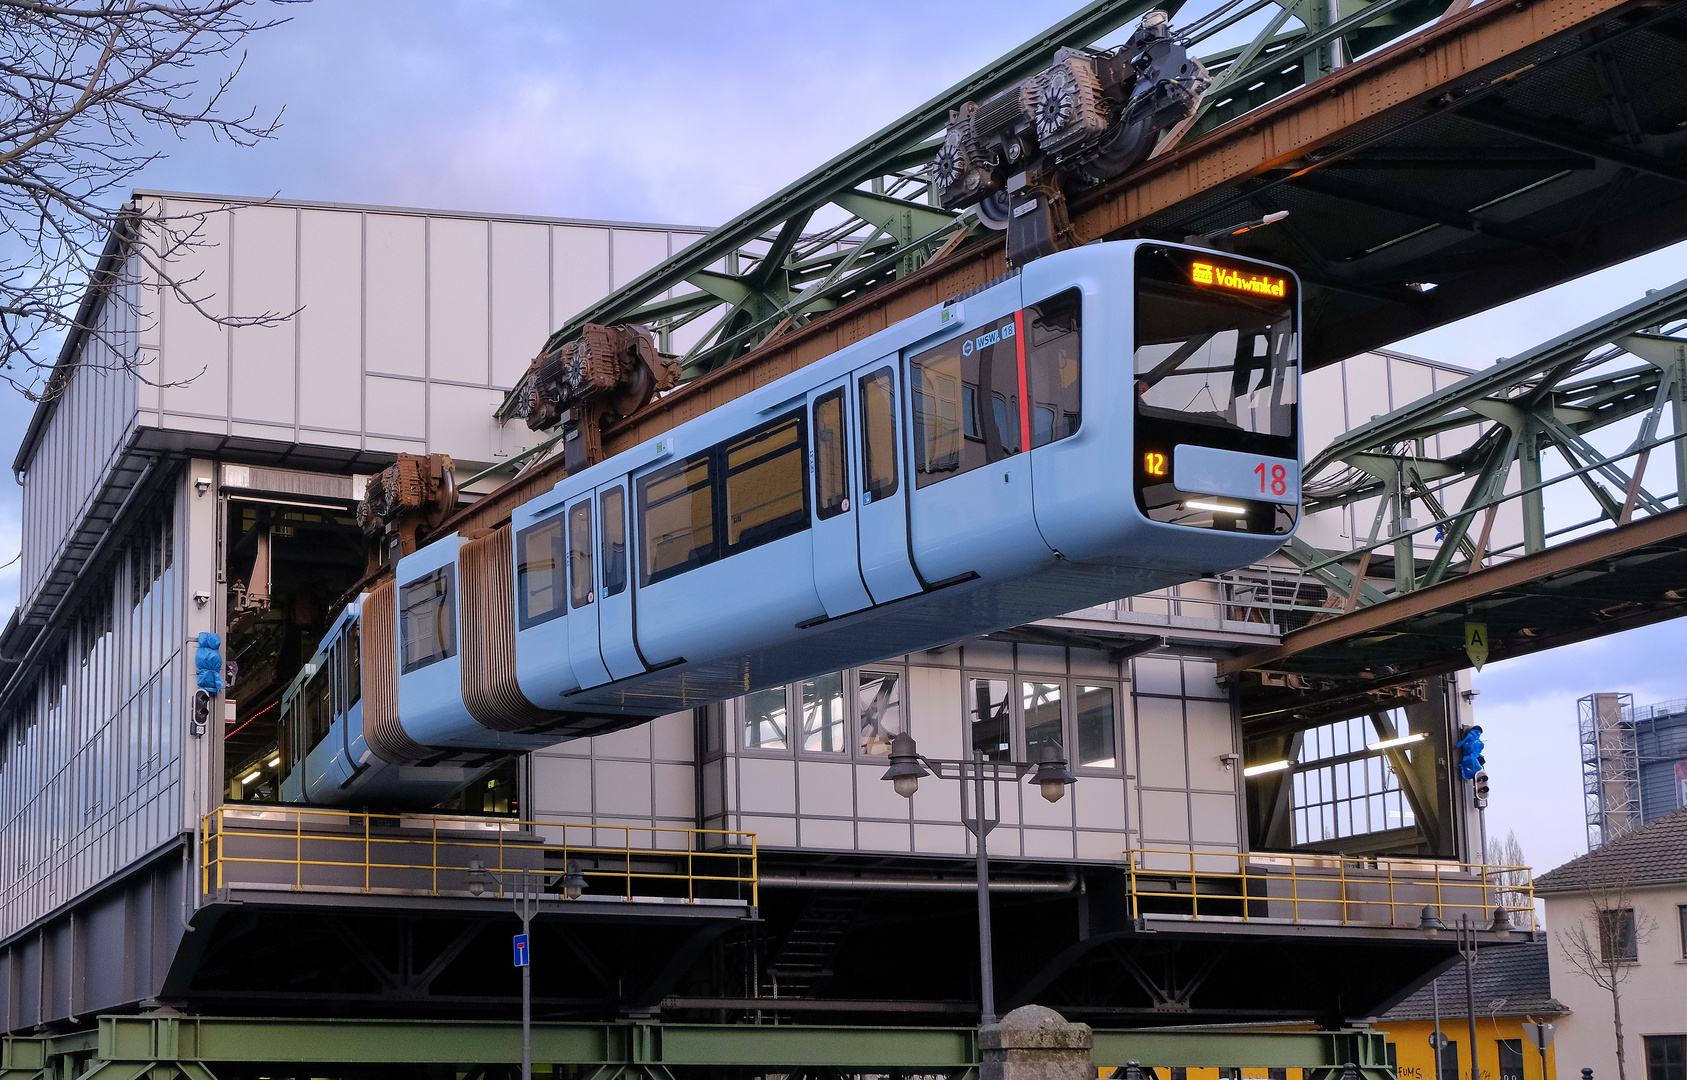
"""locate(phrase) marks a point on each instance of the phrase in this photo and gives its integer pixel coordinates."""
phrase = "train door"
(615, 597)
(886, 564)
(837, 552)
(584, 652)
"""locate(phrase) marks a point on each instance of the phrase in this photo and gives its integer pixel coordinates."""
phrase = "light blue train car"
(1110, 420)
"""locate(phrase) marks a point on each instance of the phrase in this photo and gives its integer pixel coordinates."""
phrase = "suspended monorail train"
(1107, 421)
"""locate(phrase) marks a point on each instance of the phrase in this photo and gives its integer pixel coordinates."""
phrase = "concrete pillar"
(1036, 1043)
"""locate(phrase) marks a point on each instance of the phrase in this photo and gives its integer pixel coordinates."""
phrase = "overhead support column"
(1534, 501)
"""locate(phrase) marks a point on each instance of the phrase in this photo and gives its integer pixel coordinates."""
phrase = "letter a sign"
(1476, 643)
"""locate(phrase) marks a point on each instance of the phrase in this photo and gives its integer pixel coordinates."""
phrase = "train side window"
(766, 492)
(354, 664)
(427, 610)
(878, 435)
(612, 506)
(337, 659)
(966, 402)
(580, 586)
(1052, 366)
(831, 456)
(319, 705)
(539, 572)
(677, 511)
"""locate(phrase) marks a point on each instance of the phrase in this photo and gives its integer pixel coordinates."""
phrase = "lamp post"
(1464, 935)
(1050, 775)
(526, 896)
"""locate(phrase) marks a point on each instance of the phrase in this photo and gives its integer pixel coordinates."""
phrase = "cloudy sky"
(687, 113)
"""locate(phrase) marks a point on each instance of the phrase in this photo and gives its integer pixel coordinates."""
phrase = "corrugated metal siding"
(91, 423)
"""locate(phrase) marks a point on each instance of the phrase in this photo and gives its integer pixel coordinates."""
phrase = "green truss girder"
(130, 1047)
(776, 274)
(1557, 395)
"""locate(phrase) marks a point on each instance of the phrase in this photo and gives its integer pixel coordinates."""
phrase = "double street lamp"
(526, 889)
(1050, 774)
(1464, 932)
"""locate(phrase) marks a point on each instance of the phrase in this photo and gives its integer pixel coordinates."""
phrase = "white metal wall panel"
(457, 301)
(193, 350)
(632, 252)
(460, 418)
(521, 297)
(263, 252)
(330, 320)
(395, 292)
(580, 262)
(397, 409)
(1322, 414)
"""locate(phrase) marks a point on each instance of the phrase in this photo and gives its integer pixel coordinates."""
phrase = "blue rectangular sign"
(522, 956)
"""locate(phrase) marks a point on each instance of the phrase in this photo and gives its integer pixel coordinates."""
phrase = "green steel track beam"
(196, 1047)
(769, 268)
(900, 145)
(1556, 396)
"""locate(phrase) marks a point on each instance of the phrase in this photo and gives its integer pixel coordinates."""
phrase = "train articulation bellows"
(1107, 421)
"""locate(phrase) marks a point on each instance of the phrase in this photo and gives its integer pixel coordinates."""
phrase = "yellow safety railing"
(1325, 889)
(308, 849)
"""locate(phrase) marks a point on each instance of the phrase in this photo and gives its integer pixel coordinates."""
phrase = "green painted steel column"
(1677, 374)
(1534, 503)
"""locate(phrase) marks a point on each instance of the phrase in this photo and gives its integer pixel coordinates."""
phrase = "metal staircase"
(805, 955)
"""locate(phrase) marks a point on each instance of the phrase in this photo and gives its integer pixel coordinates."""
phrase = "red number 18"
(1279, 479)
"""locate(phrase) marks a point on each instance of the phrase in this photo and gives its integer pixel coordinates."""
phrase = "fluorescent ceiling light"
(255, 773)
(1404, 740)
(1265, 767)
(1217, 508)
(274, 761)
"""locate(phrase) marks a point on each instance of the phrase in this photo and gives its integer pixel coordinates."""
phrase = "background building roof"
(1510, 980)
(1654, 854)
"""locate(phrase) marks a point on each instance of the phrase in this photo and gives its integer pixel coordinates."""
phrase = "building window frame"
(1618, 938)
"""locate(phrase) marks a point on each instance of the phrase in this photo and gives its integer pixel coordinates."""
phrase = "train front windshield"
(1217, 366)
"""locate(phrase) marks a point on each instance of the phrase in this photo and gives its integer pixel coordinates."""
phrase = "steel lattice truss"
(869, 216)
(1626, 368)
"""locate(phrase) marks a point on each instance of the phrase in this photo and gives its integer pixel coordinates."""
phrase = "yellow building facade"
(1512, 985)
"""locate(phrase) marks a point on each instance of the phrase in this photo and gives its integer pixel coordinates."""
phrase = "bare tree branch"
(88, 89)
(1603, 945)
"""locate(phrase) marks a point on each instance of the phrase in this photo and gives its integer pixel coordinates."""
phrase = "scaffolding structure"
(1610, 766)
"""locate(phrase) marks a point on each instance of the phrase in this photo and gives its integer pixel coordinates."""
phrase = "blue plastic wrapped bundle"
(208, 662)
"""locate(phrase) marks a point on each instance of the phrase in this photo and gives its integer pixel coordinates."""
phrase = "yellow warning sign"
(1476, 643)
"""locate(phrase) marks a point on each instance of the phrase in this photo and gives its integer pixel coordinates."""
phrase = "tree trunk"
(1617, 1023)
